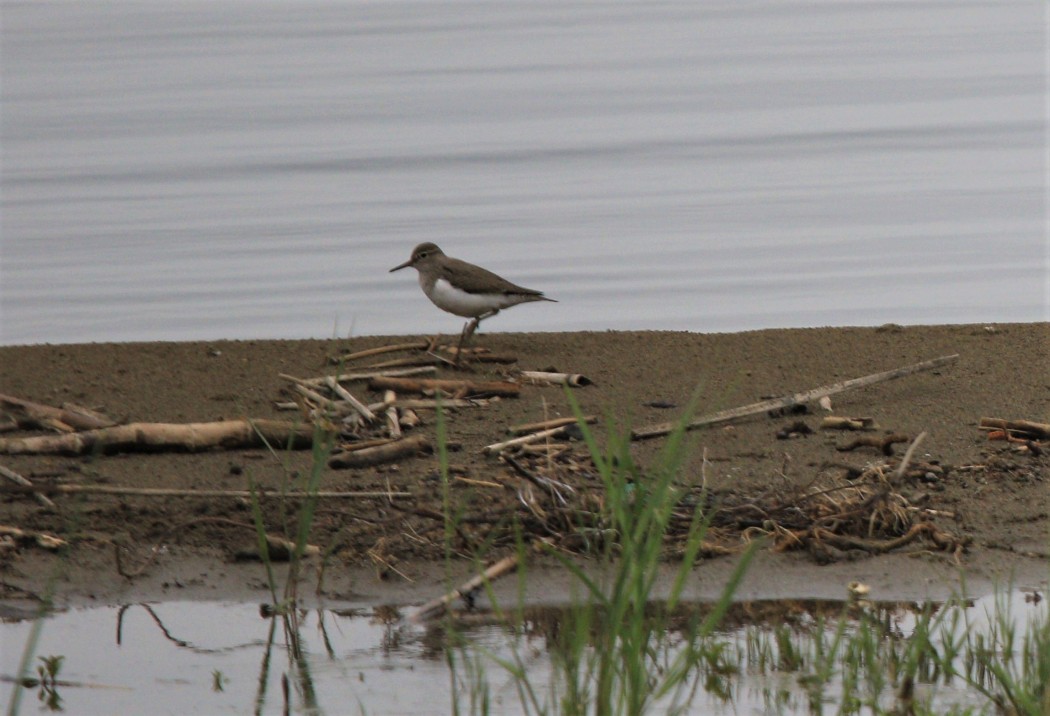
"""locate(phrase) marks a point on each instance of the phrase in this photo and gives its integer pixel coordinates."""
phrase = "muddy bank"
(992, 494)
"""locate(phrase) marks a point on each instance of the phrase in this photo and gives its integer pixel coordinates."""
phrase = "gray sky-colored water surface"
(221, 169)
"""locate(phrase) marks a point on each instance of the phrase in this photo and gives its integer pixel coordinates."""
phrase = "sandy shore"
(994, 495)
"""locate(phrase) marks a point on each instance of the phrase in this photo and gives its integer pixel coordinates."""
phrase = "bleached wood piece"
(538, 377)
(346, 395)
(20, 480)
(1027, 427)
(499, 447)
(436, 607)
(546, 424)
(806, 396)
(452, 387)
(65, 418)
(190, 437)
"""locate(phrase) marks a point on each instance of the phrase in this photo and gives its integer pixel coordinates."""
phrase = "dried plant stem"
(795, 399)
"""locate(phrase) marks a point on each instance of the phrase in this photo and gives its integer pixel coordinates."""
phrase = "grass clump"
(613, 654)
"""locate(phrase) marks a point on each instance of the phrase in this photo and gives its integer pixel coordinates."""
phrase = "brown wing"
(474, 279)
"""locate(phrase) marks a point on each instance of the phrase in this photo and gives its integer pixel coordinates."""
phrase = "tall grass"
(305, 508)
(610, 657)
(865, 663)
(285, 607)
(612, 652)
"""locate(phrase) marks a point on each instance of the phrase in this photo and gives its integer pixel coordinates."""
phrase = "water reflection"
(176, 657)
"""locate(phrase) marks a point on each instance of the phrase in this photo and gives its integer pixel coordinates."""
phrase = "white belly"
(469, 305)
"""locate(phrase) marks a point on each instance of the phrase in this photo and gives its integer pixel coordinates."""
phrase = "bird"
(464, 289)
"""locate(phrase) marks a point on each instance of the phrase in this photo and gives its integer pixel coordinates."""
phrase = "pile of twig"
(557, 497)
(373, 433)
(835, 516)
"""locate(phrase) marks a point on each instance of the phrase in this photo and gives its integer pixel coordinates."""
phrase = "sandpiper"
(465, 289)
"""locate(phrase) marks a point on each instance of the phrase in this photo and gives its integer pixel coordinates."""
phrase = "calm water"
(163, 658)
(224, 169)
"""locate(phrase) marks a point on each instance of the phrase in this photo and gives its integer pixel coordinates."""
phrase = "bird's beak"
(401, 266)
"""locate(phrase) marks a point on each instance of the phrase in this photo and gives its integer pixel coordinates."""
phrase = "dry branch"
(436, 607)
(392, 424)
(278, 549)
(526, 439)
(390, 452)
(1019, 428)
(364, 444)
(537, 377)
(19, 480)
(455, 388)
(28, 414)
(833, 422)
(475, 354)
(315, 399)
(157, 437)
(547, 424)
(172, 492)
(409, 362)
(349, 397)
(798, 398)
(369, 352)
(431, 404)
(42, 539)
(359, 376)
(346, 404)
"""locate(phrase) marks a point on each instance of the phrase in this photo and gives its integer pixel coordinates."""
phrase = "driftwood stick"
(19, 480)
(408, 418)
(157, 437)
(392, 424)
(346, 395)
(538, 377)
(431, 361)
(172, 492)
(42, 539)
(359, 376)
(369, 352)
(326, 404)
(1029, 429)
(436, 607)
(524, 428)
(524, 440)
(364, 444)
(391, 452)
(75, 417)
(804, 397)
(478, 354)
(835, 422)
(429, 404)
(459, 388)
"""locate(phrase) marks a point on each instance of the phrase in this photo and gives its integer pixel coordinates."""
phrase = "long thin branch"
(20, 480)
(68, 417)
(457, 388)
(796, 399)
(172, 492)
(437, 606)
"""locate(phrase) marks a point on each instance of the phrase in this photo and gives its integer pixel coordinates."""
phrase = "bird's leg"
(468, 331)
(464, 334)
(473, 325)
